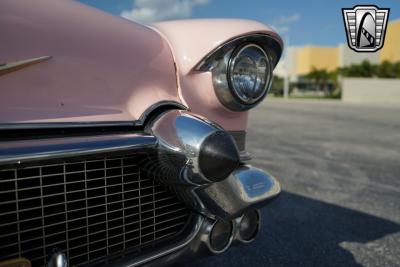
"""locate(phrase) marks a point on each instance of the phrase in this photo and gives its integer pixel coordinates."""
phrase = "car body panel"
(191, 41)
(87, 75)
(102, 67)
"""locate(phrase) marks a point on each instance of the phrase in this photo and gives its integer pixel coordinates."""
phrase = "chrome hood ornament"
(17, 65)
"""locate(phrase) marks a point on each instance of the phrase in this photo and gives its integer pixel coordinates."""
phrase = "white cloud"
(287, 19)
(147, 11)
(282, 24)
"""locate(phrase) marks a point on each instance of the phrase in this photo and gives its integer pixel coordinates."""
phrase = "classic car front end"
(124, 145)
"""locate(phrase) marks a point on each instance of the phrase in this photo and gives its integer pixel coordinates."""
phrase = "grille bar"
(94, 206)
(72, 201)
(180, 223)
(94, 233)
(55, 224)
(59, 184)
(145, 243)
(89, 209)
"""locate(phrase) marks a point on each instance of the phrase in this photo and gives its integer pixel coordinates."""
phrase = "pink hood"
(102, 67)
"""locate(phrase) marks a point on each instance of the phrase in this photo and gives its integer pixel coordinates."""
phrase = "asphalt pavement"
(339, 167)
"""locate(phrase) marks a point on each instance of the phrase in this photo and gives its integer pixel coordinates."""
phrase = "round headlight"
(249, 74)
(241, 69)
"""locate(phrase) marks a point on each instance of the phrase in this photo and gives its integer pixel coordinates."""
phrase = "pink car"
(123, 144)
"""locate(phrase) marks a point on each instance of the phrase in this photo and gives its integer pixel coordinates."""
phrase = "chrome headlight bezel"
(257, 95)
(219, 61)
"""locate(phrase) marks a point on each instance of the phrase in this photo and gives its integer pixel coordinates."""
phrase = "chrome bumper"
(180, 145)
(196, 246)
(246, 188)
(220, 187)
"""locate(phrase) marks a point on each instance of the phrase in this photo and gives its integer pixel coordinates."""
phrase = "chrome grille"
(89, 209)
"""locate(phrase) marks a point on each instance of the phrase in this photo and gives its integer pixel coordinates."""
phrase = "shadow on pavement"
(299, 231)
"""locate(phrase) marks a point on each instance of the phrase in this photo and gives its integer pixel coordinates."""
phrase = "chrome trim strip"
(94, 124)
(158, 105)
(61, 125)
(206, 65)
(16, 152)
(17, 65)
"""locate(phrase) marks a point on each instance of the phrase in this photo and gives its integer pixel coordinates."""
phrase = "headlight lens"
(249, 73)
(242, 69)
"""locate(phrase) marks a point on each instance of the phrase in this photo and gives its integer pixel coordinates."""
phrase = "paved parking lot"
(339, 166)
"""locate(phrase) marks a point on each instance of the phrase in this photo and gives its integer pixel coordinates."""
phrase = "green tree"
(396, 69)
(386, 70)
(365, 69)
(277, 86)
(320, 77)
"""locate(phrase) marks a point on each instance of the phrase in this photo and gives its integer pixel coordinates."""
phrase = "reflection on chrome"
(218, 187)
(247, 187)
(186, 144)
(58, 259)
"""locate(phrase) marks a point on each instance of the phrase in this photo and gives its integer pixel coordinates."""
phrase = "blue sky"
(307, 22)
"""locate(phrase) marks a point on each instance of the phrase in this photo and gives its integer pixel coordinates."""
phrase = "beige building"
(391, 47)
(348, 56)
(301, 60)
(316, 57)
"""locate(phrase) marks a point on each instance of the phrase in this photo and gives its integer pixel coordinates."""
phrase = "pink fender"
(191, 41)
(102, 67)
